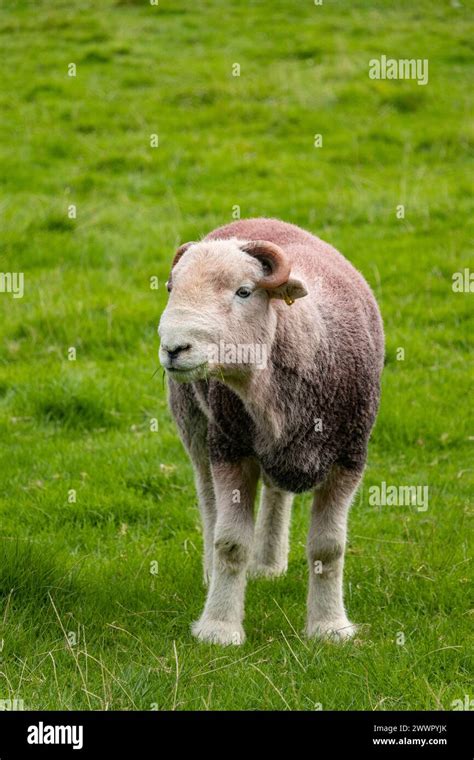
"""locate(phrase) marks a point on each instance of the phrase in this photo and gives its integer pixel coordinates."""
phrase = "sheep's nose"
(176, 350)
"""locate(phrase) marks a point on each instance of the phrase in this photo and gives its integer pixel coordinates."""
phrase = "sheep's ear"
(182, 249)
(289, 291)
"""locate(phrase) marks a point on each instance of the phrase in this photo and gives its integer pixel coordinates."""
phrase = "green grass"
(83, 620)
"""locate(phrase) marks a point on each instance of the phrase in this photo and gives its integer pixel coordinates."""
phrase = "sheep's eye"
(243, 292)
(168, 287)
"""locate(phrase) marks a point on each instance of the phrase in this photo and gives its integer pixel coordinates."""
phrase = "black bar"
(376, 734)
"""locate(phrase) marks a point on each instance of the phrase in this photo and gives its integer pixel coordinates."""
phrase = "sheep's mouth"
(188, 373)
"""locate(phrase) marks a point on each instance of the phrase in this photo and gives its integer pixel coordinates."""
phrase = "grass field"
(100, 542)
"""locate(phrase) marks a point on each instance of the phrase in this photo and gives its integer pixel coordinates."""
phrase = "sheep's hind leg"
(325, 549)
(235, 487)
(270, 549)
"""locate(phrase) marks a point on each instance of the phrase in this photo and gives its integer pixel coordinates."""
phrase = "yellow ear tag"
(288, 300)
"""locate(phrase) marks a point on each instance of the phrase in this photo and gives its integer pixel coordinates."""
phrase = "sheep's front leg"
(326, 546)
(207, 508)
(271, 544)
(193, 428)
(235, 486)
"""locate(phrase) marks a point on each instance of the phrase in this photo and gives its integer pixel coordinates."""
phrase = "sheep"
(300, 418)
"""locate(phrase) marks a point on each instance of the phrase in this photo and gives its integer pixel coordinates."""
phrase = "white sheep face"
(218, 321)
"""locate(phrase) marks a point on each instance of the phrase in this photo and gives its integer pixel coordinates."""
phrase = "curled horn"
(274, 260)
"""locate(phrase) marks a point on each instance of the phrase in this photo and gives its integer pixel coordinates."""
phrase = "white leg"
(326, 546)
(207, 508)
(221, 621)
(271, 543)
(193, 424)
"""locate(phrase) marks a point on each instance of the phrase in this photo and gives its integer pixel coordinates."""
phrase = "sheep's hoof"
(218, 632)
(261, 570)
(334, 630)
